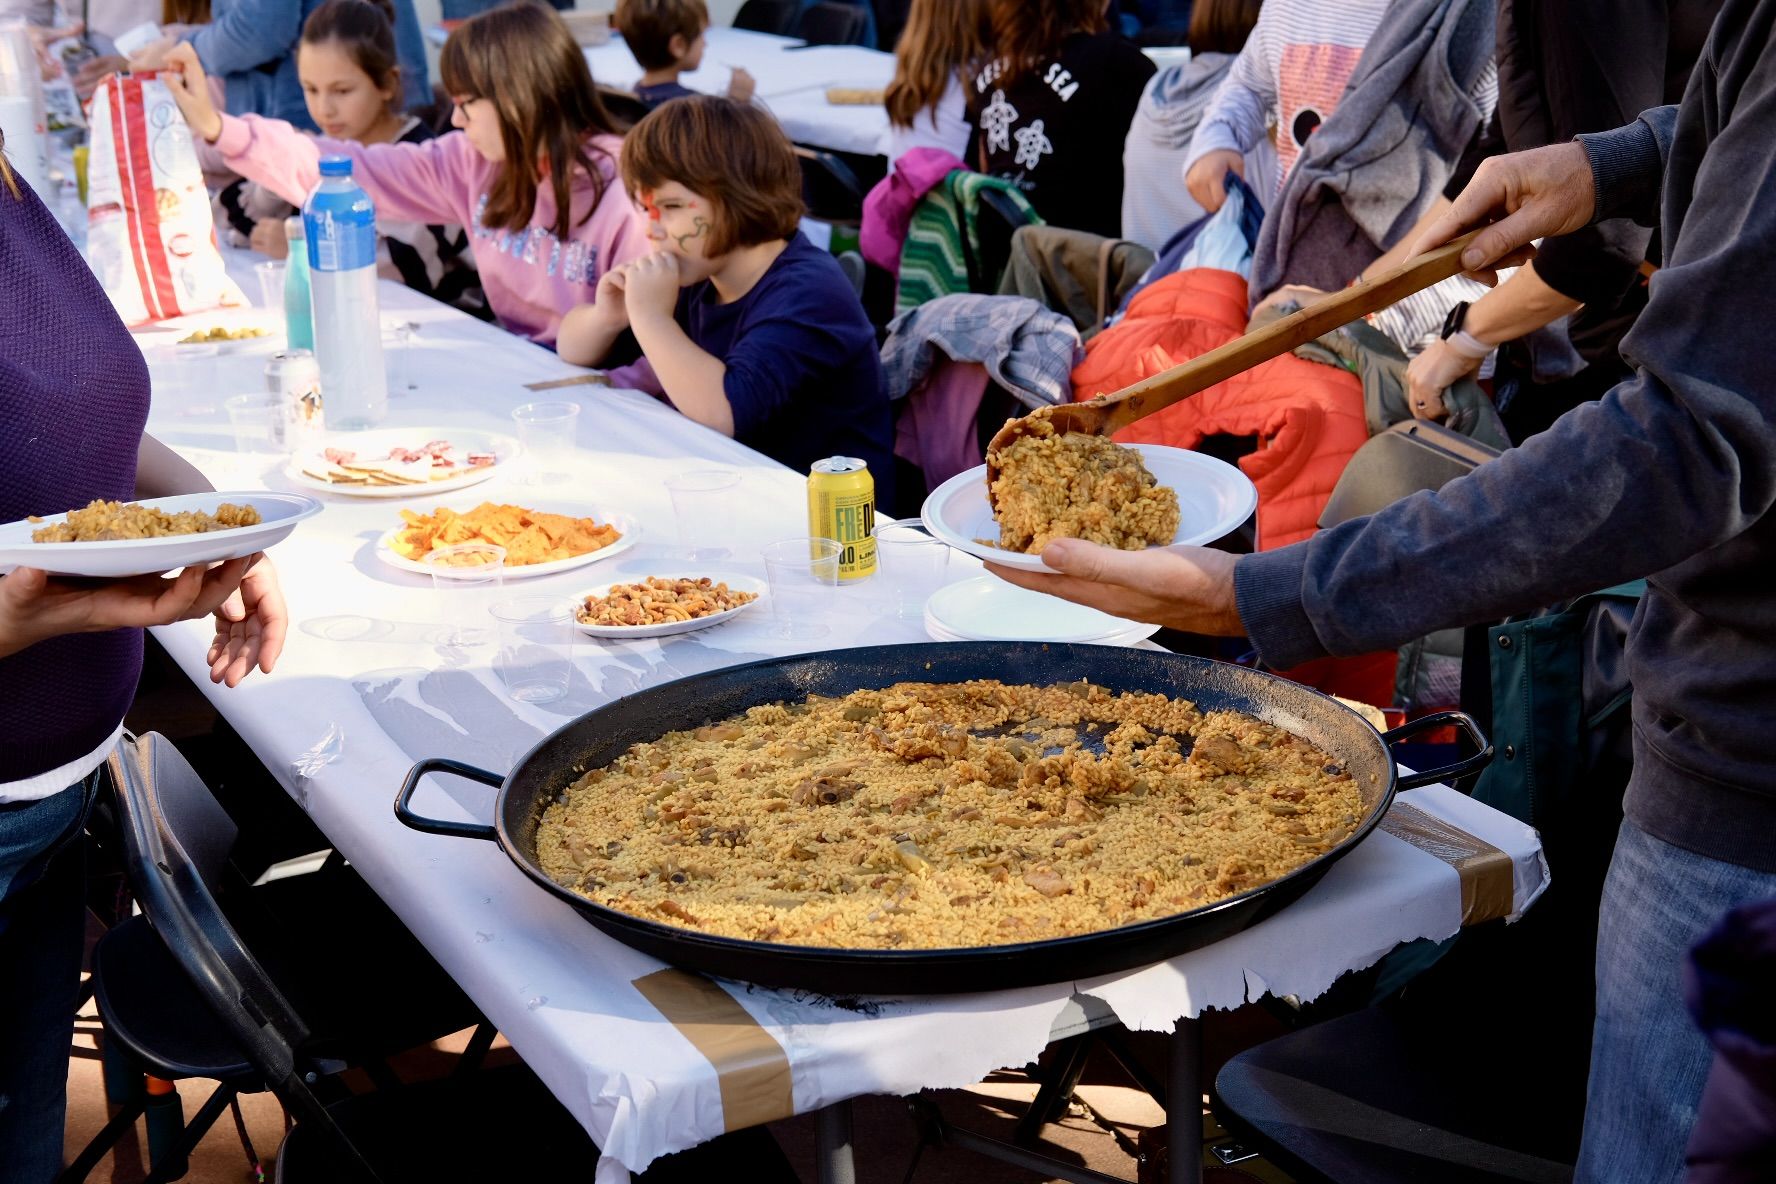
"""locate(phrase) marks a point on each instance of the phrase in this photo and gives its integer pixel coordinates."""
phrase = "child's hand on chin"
(650, 285)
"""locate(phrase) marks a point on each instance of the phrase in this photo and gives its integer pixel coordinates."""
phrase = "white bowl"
(1214, 497)
(986, 608)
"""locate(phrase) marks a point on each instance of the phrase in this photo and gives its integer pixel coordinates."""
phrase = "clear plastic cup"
(913, 565)
(536, 637)
(258, 423)
(271, 285)
(549, 433)
(706, 505)
(469, 577)
(804, 578)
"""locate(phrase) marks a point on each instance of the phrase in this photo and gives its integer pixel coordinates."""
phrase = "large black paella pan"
(600, 736)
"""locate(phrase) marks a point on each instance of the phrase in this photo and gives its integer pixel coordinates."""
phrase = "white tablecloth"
(792, 81)
(362, 662)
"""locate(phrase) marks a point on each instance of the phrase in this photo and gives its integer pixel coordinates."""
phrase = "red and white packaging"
(150, 238)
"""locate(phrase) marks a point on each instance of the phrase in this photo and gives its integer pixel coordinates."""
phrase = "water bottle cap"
(336, 166)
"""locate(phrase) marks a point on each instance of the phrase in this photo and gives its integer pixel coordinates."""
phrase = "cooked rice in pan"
(932, 815)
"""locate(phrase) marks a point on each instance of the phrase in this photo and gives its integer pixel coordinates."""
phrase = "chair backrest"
(830, 190)
(996, 220)
(623, 105)
(176, 840)
(891, 18)
(767, 16)
(833, 23)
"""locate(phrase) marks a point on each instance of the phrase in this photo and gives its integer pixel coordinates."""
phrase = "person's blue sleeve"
(410, 50)
(248, 34)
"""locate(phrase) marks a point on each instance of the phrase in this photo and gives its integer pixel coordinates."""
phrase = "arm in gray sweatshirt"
(1672, 462)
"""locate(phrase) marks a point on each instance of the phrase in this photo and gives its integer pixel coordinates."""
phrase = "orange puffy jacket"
(1308, 417)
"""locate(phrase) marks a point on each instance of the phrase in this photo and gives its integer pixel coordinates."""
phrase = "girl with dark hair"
(351, 81)
(530, 172)
(1053, 107)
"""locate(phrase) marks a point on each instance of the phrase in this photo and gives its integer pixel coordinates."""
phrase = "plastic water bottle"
(340, 220)
(299, 325)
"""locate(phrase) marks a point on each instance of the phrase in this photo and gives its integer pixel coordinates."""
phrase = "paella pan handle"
(1450, 773)
(438, 826)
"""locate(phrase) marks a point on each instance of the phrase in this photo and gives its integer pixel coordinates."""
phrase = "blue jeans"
(1648, 1060)
(42, 905)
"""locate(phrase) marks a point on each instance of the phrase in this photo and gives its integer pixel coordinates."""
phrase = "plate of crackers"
(660, 606)
(111, 539)
(539, 541)
(393, 463)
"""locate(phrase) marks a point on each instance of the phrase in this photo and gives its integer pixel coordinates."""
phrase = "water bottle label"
(340, 244)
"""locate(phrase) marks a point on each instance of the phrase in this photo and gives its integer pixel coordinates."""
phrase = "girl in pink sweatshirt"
(531, 172)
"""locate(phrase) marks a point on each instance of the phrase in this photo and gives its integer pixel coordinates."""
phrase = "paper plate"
(735, 582)
(370, 445)
(1213, 499)
(624, 524)
(1131, 638)
(135, 557)
(986, 608)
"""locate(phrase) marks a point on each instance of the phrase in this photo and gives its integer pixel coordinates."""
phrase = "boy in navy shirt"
(666, 37)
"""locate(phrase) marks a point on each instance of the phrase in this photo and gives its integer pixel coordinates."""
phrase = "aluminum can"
(842, 506)
(295, 378)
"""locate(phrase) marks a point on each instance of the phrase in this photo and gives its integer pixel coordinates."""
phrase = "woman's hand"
(94, 71)
(35, 606)
(1207, 177)
(250, 626)
(270, 239)
(650, 285)
(184, 77)
(1540, 193)
(1187, 588)
(1430, 374)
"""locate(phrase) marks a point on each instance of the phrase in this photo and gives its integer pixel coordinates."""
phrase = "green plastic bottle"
(298, 314)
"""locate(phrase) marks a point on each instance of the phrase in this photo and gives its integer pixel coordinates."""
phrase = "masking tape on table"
(1487, 876)
(751, 1068)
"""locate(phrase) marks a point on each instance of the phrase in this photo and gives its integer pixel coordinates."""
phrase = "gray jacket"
(1367, 174)
(1026, 348)
(1671, 476)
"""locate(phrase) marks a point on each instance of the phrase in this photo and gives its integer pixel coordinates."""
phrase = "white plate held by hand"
(668, 628)
(1213, 499)
(280, 512)
(986, 608)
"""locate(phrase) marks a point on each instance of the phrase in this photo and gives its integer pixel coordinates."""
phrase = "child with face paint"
(745, 326)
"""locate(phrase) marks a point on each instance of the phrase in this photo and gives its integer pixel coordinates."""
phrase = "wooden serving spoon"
(1107, 414)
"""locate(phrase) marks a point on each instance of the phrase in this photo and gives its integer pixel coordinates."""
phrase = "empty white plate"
(1214, 497)
(279, 514)
(986, 608)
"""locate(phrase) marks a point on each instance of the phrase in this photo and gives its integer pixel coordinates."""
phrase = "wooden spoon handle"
(1279, 337)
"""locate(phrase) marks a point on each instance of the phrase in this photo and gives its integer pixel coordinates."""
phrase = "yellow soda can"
(842, 506)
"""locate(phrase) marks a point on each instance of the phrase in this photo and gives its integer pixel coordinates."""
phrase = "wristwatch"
(1459, 339)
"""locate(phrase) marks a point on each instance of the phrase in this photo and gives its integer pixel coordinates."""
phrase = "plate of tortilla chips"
(538, 541)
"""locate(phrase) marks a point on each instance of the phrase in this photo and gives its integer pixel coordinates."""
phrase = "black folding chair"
(995, 222)
(830, 190)
(332, 980)
(891, 18)
(767, 16)
(833, 23)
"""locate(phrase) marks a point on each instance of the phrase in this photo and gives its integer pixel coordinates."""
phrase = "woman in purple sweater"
(73, 399)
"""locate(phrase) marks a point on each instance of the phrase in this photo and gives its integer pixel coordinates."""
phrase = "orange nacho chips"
(528, 536)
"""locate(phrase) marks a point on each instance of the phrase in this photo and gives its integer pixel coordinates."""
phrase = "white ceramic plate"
(370, 445)
(168, 332)
(1213, 499)
(986, 608)
(624, 524)
(135, 557)
(1131, 638)
(735, 582)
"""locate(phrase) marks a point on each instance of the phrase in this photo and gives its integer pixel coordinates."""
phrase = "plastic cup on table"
(271, 285)
(535, 658)
(257, 420)
(804, 579)
(913, 565)
(705, 503)
(468, 578)
(549, 433)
